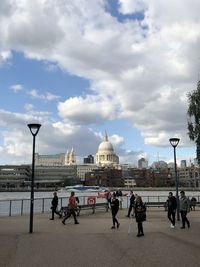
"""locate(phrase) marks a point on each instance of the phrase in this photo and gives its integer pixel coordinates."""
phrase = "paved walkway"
(93, 244)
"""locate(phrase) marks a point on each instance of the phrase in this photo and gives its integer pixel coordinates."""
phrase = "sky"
(83, 67)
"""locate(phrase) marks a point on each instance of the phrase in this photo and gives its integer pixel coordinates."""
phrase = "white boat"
(82, 188)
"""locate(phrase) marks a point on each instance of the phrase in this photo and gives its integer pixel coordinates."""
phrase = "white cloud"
(16, 87)
(138, 70)
(130, 6)
(47, 96)
(89, 110)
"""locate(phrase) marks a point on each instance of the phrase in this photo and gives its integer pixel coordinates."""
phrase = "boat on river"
(84, 188)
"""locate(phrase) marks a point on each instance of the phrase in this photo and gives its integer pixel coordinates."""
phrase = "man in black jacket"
(171, 206)
(54, 205)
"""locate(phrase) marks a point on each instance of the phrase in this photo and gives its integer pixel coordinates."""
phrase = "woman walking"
(140, 215)
(114, 208)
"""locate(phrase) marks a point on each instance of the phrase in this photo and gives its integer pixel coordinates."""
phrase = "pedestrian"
(54, 205)
(108, 197)
(140, 215)
(184, 209)
(171, 209)
(119, 195)
(193, 203)
(131, 203)
(114, 209)
(72, 206)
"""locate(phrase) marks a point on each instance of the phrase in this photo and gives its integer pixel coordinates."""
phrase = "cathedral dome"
(105, 146)
(106, 154)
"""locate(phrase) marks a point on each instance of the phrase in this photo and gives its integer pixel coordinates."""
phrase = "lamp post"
(34, 128)
(174, 142)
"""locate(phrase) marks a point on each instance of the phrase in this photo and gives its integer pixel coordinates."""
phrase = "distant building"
(129, 182)
(159, 165)
(61, 159)
(89, 160)
(183, 163)
(82, 169)
(50, 160)
(142, 163)
(105, 176)
(105, 155)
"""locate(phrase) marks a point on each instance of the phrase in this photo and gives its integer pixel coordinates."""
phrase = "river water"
(26, 195)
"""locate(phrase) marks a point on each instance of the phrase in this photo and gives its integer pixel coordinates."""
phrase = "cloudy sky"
(83, 67)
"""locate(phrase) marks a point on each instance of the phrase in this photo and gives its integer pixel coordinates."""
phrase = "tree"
(194, 118)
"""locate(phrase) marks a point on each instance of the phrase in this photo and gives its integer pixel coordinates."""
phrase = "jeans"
(171, 216)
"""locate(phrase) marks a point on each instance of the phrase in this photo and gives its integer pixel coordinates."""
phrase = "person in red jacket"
(72, 206)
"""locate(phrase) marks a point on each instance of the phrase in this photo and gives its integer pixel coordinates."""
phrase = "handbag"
(140, 217)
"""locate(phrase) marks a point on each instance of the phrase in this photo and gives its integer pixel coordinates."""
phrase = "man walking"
(72, 206)
(54, 205)
(171, 206)
(184, 209)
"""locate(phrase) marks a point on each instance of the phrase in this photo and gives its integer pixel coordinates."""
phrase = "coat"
(140, 212)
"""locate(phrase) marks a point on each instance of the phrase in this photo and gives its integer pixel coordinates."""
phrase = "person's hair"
(139, 198)
(182, 192)
(114, 195)
(170, 193)
(72, 193)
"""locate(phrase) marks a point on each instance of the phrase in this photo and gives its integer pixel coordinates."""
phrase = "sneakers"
(172, 226)
(118, 225)
(138, 235)
(63, 222)
(76, 223)
(113, 227)
(183, 227)
(51, 219)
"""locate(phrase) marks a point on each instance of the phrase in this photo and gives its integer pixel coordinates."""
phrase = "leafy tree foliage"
(194, 119)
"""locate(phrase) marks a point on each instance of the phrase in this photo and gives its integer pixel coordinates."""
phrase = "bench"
(92, 207)
(156, 204)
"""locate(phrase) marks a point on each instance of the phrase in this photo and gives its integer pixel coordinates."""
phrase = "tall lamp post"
(174, 142)
(34, 128)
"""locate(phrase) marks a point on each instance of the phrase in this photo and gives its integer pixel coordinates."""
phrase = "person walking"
(114, 209)
(171, 209)
(54, 205)
(184, 209)
(72, 206)
(140, 215)
(108, 197)
(131, 203)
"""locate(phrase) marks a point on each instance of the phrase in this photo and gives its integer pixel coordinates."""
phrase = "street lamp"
(174, 142)
(34, 128)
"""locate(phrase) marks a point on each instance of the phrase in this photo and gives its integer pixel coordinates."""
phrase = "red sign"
(91, 200)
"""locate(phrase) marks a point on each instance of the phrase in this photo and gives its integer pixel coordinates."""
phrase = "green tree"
(194, 118)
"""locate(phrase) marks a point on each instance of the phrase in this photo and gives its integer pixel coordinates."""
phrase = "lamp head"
(174, 141)
(34, 128)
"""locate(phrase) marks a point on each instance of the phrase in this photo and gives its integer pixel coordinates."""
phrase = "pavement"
(93, 243)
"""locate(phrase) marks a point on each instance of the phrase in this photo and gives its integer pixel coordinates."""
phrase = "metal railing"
(15, 207)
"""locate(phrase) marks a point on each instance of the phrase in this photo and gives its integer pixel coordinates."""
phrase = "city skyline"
(81, 68)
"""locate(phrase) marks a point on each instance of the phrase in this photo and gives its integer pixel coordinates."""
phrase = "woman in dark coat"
(114, 208)
(140, 215)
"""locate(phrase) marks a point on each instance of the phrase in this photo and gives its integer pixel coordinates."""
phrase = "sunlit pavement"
(94, 243)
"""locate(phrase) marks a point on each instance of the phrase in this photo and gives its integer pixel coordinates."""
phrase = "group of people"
(71, 208)
(136, 204)
(184, 207)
